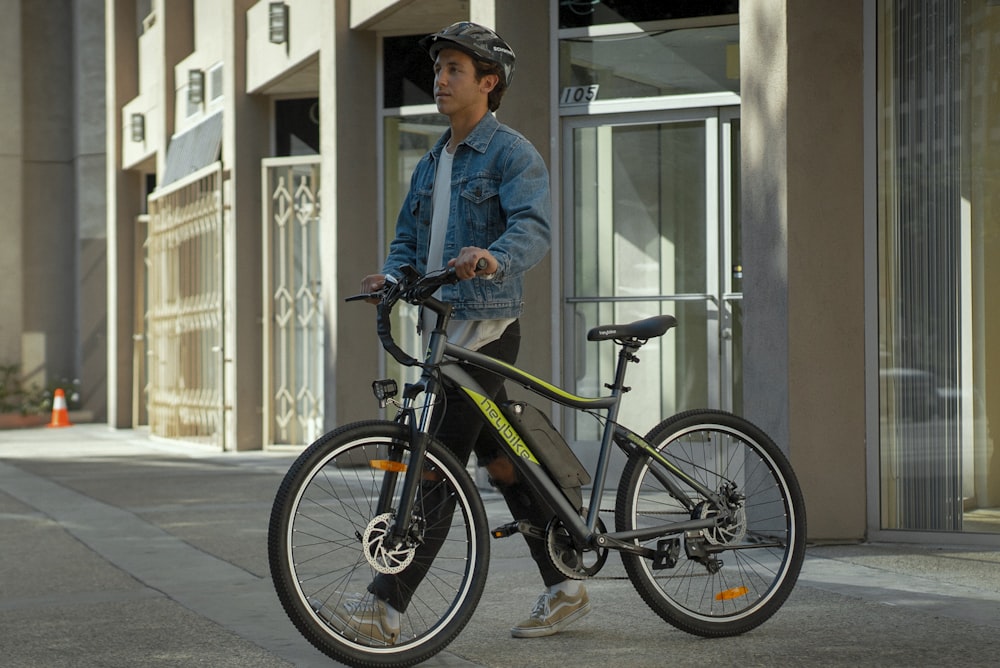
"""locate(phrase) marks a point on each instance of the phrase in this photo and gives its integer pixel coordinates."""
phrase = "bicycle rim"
(726, 580)
(323, 518)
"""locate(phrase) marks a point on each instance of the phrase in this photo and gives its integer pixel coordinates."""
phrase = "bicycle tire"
(759, 555)
(316, 550)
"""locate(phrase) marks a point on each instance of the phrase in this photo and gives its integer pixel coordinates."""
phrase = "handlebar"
(411, 288)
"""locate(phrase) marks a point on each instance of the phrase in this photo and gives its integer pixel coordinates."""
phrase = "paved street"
(119, 550)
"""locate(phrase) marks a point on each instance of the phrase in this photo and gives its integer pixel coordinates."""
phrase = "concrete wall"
(527, 108)
(350, 214)
(89, 158)
(49, 193)
(11, 180)
(52, 187)
(245, 142)
(804, 248)
(124, 202)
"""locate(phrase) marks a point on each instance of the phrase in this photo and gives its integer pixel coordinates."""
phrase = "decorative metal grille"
(293, 285)
(185, 319)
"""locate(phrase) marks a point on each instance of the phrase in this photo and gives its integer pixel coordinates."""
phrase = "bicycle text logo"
(504, 429)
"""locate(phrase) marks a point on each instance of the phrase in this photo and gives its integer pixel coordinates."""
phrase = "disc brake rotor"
(385, 558)
(726, 534)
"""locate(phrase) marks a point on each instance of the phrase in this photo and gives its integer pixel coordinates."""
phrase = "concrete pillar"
(89, 157)
(349, 195)
(803, 255)
(244, 144)
(124, 199)
(527, 108)
(11, 184)
(49, 220)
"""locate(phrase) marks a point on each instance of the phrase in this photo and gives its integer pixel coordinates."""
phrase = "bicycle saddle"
(647, 328)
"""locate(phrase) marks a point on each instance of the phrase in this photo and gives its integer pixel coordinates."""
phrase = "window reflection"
(668, 62)
(938, 265)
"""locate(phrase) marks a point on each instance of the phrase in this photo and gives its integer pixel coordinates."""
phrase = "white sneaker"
(552, 613)
(361, 617)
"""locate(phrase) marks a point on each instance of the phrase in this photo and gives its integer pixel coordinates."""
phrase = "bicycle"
(360, 501)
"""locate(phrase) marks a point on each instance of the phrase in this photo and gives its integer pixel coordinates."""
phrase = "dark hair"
(482, 69)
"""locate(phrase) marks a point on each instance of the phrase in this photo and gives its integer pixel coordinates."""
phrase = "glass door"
(650, 204)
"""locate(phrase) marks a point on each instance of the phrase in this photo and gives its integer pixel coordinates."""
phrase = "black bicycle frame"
(443, 355)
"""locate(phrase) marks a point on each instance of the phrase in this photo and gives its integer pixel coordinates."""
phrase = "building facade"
(53, 217)
(805, 185)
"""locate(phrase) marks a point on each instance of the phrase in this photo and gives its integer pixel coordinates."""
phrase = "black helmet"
(479, 42)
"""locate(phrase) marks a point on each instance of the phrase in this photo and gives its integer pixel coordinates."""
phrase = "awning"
(193, 149)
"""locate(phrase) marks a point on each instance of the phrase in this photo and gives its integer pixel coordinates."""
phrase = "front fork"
(416, 419)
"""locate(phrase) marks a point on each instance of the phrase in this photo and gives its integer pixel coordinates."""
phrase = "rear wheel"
(730, 578)
(328, 540)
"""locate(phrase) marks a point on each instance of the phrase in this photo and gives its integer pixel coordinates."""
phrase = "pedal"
(506, 530)
(520, 526)
(666, 555)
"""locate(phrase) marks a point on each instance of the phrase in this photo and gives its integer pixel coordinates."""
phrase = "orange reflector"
(386, 465)
(730, 594)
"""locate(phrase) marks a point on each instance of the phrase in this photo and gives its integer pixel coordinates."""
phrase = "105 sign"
(578, 94)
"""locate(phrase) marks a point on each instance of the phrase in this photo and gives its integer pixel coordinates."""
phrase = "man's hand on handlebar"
(472, 261)
(371, 285)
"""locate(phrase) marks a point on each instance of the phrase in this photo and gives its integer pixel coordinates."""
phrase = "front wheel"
(729, 578)
(328, 541)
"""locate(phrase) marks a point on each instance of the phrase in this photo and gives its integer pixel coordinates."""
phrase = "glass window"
(640, 240)
(651, 64)
(407, 71)
(939, 265)
(296, 127)
(407, 139)
(581, 13)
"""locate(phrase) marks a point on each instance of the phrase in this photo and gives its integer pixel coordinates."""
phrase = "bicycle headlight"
(384, 390)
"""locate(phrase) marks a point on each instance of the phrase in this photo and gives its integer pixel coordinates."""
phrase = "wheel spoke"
(328, 542)
(732, 577)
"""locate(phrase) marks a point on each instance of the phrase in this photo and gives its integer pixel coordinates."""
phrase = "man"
(482, 192)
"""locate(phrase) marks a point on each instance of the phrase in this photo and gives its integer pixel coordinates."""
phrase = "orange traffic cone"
(60, 413)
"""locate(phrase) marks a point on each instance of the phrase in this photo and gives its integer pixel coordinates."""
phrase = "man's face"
(455, 87)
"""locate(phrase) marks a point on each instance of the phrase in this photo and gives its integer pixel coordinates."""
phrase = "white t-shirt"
(473, 334)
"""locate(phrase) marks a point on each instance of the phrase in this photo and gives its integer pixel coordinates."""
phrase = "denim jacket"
(499, 201)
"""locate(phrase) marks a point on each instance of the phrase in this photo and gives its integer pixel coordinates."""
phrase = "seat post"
(625, 355)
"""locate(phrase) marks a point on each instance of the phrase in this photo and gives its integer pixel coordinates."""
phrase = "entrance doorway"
(651, 226)
(294, 312)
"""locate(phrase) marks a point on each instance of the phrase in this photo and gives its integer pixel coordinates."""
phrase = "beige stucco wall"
(307, 20)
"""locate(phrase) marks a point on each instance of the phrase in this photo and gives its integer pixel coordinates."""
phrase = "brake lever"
(389, 284)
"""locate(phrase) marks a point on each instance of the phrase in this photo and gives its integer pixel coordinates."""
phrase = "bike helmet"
(479, 42)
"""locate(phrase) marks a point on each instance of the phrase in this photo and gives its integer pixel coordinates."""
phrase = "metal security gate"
(294, 330)
(185, 317)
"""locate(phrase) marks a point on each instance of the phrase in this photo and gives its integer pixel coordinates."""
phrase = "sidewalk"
(118, 550)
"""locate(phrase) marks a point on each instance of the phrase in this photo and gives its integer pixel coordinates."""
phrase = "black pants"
(461, 431)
